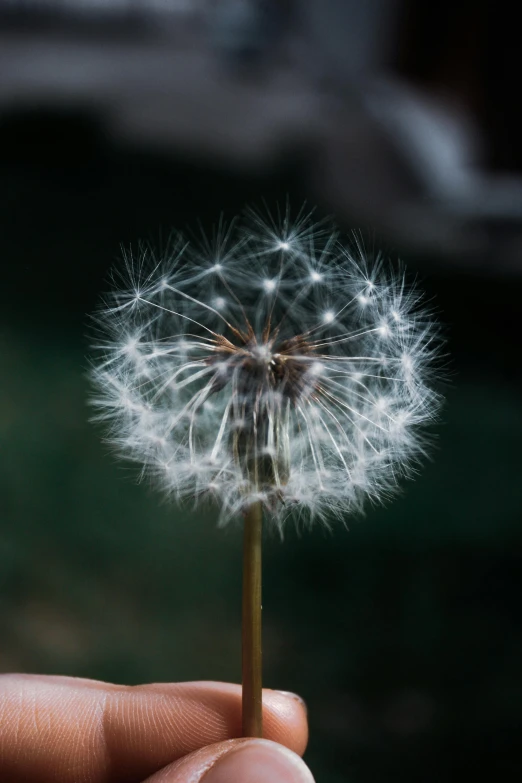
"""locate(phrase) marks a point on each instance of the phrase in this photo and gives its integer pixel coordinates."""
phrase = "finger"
(237, 761)
(63, 730)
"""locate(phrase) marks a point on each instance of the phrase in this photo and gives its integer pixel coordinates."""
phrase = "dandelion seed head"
(311, 399)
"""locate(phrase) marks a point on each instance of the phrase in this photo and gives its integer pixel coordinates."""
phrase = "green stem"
(251, 631)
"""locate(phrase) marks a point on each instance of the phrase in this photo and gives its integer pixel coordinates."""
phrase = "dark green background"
(403, 634)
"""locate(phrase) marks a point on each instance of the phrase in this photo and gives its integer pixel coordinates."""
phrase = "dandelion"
(275, 370)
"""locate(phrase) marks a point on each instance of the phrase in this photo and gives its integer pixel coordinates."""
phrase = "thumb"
(237, 761)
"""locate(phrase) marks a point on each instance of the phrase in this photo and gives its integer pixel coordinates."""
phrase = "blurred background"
(121, 119)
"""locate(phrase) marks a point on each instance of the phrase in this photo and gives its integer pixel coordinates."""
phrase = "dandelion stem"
(252, 668)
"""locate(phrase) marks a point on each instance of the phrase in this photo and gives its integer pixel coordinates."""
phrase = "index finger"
(64, 729)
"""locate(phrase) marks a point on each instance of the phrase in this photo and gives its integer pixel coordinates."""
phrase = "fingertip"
(284, 713)
(285, 719)
(237, 761)
(259, 761)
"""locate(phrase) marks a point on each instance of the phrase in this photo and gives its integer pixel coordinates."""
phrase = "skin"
(70, 730)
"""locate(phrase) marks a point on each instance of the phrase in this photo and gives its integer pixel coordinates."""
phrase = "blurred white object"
(248, 81)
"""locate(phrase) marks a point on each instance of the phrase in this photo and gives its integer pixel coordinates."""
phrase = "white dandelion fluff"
(277, 364)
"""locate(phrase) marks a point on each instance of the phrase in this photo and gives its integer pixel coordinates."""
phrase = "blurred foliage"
(402, 633)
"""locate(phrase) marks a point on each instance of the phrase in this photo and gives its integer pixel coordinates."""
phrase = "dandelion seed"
(269, 285)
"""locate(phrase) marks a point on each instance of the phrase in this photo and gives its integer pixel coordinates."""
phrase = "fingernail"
(259, 761)
(295, 696)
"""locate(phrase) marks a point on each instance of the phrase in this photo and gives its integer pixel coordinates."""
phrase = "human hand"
(71, 730)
